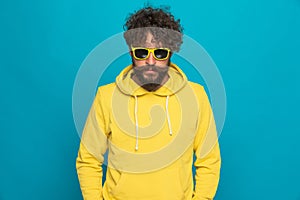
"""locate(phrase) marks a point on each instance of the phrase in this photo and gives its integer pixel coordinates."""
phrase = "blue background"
(255, 45)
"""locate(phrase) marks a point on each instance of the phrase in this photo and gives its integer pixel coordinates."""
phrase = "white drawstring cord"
(168, 116)
(136, 124)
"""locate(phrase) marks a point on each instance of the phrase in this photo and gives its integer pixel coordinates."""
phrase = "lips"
(150, 72)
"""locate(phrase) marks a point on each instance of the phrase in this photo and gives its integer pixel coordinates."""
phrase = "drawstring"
(168, 116)
(137, 123)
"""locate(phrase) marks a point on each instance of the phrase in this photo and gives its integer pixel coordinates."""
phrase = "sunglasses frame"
(150, 50)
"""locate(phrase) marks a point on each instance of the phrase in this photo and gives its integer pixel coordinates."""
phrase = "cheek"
(162, 63)
(139, 62)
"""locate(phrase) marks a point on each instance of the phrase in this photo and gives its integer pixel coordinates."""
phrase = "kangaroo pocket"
(163, 184)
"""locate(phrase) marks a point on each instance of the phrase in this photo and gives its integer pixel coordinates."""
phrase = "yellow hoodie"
(151, 138)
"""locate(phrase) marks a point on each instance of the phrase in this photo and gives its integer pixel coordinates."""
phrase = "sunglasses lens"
(161, 53)
(141, 53)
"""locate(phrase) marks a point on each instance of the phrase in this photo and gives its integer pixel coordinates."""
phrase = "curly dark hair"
(159, 22)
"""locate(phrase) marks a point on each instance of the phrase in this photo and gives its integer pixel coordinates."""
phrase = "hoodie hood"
(177, 80)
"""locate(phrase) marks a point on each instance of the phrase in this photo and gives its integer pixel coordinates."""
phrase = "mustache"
(152, 67)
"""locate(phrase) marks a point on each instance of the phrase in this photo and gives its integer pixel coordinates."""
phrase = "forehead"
(150, 41)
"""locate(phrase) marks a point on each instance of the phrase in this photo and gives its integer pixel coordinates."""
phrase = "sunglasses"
(141, 53)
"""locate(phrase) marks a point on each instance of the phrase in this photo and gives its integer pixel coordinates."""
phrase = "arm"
(206, 148)
(91, 152)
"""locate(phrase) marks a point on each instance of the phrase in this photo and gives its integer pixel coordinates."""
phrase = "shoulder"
(108, 88)
(196, 87)
(105, 92)
(199, 92)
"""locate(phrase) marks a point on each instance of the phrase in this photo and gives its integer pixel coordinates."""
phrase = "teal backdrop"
(255, 45)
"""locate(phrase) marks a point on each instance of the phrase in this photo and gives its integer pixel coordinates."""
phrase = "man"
(152, 120)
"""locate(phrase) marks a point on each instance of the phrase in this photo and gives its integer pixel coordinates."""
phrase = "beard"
(150, 77)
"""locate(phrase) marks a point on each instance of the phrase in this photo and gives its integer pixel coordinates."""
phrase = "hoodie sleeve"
(92, 148)
(206, 148)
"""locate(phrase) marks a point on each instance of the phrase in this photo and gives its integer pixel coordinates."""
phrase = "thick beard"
(150, 84)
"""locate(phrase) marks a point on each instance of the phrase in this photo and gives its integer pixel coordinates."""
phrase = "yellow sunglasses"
(142, 53)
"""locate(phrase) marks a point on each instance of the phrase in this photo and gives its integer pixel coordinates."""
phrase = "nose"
(151, 60)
